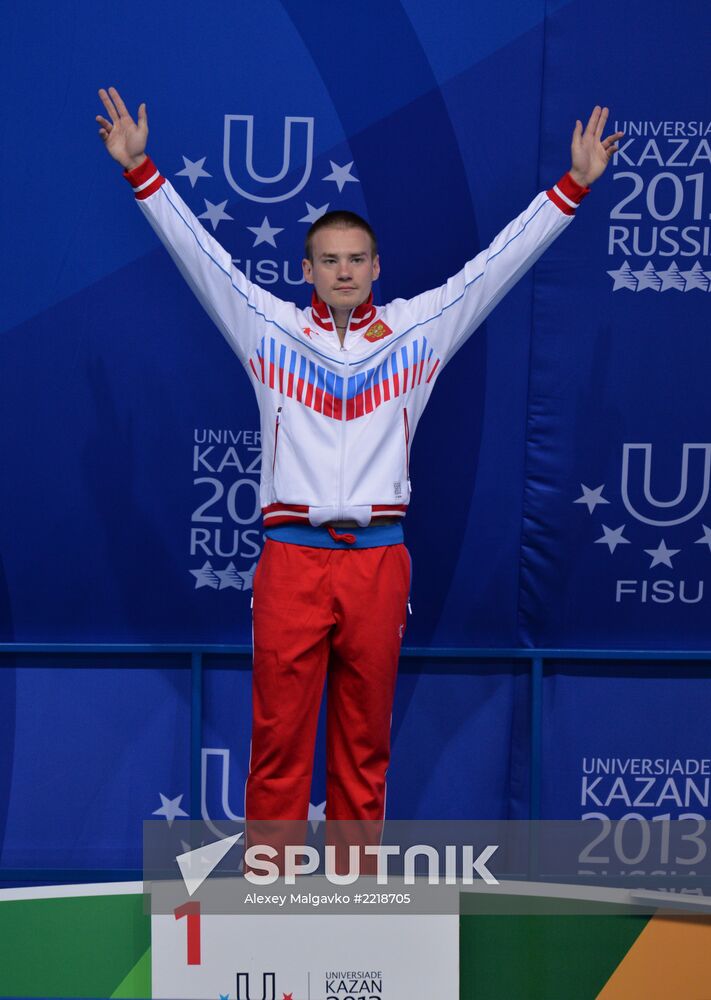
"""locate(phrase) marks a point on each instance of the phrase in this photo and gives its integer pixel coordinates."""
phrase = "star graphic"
(317, 814)
(648, 278)
(591, 498)
(264, 233)
(288, 996)
(205, 576)
(229, 577)
(612, 538)
(672, 278)
(623, 278)
(224, 996)
(193, 170)
(312, 214)
(661, 555)
(697, 278)
(341, 175)
(705, 538)
(215, 213)
(170, 808)
(247, 576)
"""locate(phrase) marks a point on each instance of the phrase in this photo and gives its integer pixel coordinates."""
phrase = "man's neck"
(340, 319)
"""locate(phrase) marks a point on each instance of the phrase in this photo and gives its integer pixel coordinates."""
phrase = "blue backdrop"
(569, 442)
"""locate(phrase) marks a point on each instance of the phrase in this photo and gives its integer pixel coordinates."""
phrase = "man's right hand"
(124, 139)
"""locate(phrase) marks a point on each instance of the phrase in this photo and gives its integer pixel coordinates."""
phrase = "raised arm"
(242, 310)
(454, 310)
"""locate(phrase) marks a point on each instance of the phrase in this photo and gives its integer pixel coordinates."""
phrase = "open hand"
(590, 152)
(124, 138)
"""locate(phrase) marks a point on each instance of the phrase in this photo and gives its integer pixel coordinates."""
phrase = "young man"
(341, 387)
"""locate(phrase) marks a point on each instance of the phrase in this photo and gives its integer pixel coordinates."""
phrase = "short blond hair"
(339, 219)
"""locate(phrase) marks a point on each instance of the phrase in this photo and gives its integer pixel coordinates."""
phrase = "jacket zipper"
(344, 407)
(276, 439)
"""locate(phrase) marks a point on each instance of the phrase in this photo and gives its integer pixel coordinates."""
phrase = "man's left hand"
(590, 152)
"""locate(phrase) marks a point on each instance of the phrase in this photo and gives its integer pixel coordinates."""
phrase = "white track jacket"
(338, 422)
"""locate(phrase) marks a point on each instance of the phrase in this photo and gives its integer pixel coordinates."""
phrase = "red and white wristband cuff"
(145, 179)
(567, 194)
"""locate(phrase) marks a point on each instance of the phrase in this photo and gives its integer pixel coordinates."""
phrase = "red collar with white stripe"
(361, 316)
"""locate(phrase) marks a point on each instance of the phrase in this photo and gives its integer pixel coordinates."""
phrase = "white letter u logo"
(248, 178)
(637, 471)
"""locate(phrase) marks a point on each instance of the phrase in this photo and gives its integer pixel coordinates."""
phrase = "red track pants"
(324, 614)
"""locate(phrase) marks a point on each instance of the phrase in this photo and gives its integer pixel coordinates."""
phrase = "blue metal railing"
(411, 658)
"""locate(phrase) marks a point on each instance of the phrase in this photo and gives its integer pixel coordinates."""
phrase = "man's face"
(343, 268)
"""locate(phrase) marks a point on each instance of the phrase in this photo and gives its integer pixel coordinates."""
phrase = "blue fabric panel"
(626, 737)
(459, 742)
(615, 551)
(95, 750)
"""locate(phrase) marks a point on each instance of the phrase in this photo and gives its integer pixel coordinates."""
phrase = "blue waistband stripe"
(372, 537)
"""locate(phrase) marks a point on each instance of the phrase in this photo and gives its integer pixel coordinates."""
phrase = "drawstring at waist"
(347, 538)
